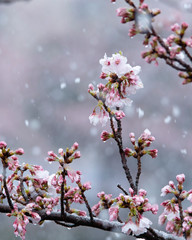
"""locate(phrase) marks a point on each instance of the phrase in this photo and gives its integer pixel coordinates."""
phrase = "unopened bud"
(3, 144)
(19, 151)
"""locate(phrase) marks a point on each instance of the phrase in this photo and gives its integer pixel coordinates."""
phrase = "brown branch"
(86, 203)
(6, 189)
(62, 194)
(130, 3)
(122, 154)
(12, 1)
(123, 190)
(187, 67)
(138, 171)
(151, 234)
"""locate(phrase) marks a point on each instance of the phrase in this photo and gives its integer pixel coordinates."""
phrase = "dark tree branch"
(72, 220)
(12, 1)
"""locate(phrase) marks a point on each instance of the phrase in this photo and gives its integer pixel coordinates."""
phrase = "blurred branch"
(151, 234)
(12, 1)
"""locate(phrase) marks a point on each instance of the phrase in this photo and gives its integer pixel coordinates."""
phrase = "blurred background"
(49, 53)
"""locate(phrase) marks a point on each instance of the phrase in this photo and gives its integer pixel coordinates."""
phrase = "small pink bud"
(154, 208)
(131, 191)
(105, 136)
(101, 86)
(77, 155)
(121, 12)
(103, 75)
(180, 178)
(52, 154)
(142, 192)
(153, 153)
(60, 151)
(19, 151)
(128, 152)
(175, 28)
(3, 144)
(171, 184)
(75, 146)
(14, 158)
(184, 25)
(91, 87)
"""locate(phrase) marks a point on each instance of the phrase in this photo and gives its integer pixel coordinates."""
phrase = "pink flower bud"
(77, 155)
(60, 151)
(91, 87)
(142, 192)
(153, 153)
(154, 208)
(87, 185)
(19, 151)
(113, 213)
(128, 152)
(103, 75)
(175, 28)
(131, 191)
(52, 154)
(105, 136)
(180, 178)
(184, 25)
(101, 86)
(75, 146)
(121, 12)
(14, 158)
(3, 144)
(171, 184)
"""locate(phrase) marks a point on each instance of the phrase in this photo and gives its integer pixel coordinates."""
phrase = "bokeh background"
(49, 53)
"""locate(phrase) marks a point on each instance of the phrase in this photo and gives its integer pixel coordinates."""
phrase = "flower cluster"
(122, 81)
(30, 188)
(136, 223)
(144, 141)
(22, 220)
(142, 17)
(172, 50)
(179, 221)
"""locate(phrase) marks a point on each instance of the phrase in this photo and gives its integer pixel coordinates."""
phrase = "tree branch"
(12, 1)
(151, 234)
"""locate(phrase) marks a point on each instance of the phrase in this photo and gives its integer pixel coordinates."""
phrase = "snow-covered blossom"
(122, 80)
(102, 117)
(137, 228)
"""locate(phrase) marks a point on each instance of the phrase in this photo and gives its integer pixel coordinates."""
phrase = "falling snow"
(140, 112)
(167, 119)
(77, 80)
(63, 85)
(26, 123)
(176, 111)
(183, 151)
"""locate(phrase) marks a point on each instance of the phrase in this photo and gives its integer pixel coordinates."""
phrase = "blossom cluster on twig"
(175, 50)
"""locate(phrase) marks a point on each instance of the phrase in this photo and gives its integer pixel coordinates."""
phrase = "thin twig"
(119, 186)
(138, 171)
(181, 214)
(62, 193)
(6, 189)
(130, 3)
(86, 203)
(23, 189)
(122, 154)
(182, 63)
